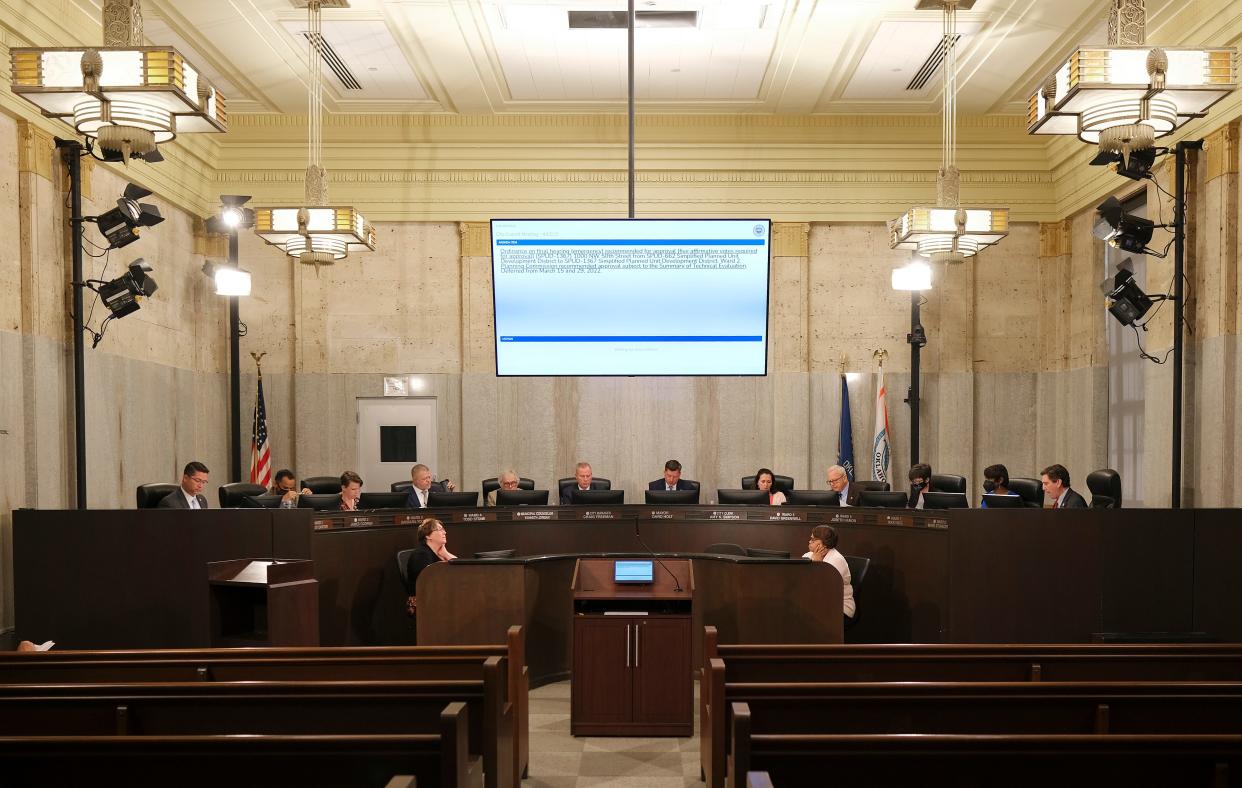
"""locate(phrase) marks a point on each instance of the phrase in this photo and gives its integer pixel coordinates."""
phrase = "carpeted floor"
(558, 760)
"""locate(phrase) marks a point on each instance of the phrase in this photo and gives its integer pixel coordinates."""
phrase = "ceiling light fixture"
(315, 233)
(948, 232)
(126, 97)
(1127, 94)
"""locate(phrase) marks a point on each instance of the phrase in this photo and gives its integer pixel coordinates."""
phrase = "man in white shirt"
(839, 482)
(1056, 483)
(420, 477)
(190, 494)
(582, 481)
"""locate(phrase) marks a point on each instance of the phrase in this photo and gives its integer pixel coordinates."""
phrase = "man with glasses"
(839, 482)
(190, 494)
(508, 481)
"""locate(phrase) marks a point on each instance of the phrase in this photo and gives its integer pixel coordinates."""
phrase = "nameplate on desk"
(358, 521)
(412, 518)
(897, 519)
(846, 517)
(662, 514)
(717, 514)
(323, 524)
(940, 523)
(777, 516)
(477, 517)
(534, 514)
(600, 514)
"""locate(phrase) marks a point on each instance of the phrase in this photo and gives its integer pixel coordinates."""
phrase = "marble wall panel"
(10, 250)
(1007, 298)
(1071, 409)
(1005, 423)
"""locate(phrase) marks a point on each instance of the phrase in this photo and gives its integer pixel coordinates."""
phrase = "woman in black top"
(431, 549)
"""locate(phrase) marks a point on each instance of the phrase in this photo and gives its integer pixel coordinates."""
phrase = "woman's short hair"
(920, 470)
(426, 527)
(997, 471)
(826, 534)
(759, 475)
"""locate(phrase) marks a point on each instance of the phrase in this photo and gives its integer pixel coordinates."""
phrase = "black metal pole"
(1179, 260)
(630, 106)
(72, 151)
(917, 339)
(235, 462)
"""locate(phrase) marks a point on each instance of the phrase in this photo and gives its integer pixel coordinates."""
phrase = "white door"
(394, 433)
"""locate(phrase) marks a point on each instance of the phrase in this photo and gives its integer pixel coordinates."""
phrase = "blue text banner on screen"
(631, 296)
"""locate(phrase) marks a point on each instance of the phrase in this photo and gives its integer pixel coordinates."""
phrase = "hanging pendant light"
(1127, 94)
(316, 233)
(126, 97)
(947, 231)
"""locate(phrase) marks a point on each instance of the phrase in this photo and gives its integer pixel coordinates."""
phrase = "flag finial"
(880, 355)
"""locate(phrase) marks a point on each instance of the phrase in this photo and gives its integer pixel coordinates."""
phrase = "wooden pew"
(433, 759)
(269, 708)
(286, 664)
(1136, 761)
(776, 663)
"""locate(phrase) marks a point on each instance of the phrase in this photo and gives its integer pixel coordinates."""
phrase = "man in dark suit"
(839, 482)
(1056, 481)
(420, 493)
(672, 478)
(190, 494)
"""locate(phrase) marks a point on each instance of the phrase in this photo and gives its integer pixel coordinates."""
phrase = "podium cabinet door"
(663, 685)
(602, 674)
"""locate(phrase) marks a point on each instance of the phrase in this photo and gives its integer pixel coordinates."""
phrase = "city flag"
(260, 451)
(881, 458)
(845, 435)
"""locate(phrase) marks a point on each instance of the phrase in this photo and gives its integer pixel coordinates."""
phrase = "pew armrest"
(454, 748)
(741, 745)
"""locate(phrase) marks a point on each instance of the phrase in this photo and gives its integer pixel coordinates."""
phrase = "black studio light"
(1122, 230)
(1136, 166)
(122, 294)
(123, 224)
(1126, 300)
(234, 215)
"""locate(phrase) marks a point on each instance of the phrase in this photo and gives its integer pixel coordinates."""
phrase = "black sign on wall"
(399, 444)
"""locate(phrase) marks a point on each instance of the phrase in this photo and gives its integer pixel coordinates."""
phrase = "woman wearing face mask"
(995, 482)
(920, 482)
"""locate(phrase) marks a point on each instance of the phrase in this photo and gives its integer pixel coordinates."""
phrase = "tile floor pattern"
(558, 760)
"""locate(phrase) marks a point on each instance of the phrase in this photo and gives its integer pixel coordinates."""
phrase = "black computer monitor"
(492, 555)
(521, 497)
(441, 500)
(945, 500)
(882, 498)
(320, 502)
(672, 497)
(1004, 501)
(759, 552)
(813, 498)
(742, 496)
(261, 501)
(383, 500)
(598, 497)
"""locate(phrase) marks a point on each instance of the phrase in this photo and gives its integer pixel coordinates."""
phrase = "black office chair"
(858, 570)
(321, 485)
(782, 483)
(1031, 491)
(725, 548)
(871, 485)
(494, 484)
(233, 495)
(1105, 487)
(404, 487)
(596, 484)
(759, 552)
(403, 560)
(693, 484)
(948, 482)
(150, 495)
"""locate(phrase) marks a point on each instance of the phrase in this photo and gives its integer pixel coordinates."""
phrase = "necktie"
(194, 502)
(1056, 504)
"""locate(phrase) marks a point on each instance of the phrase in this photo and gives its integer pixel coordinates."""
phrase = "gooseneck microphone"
(676, 583)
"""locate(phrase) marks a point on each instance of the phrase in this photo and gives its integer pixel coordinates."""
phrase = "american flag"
(260, 451)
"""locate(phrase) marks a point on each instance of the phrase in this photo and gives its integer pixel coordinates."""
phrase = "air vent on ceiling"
(334, 62)
(594, 20)
(931, 64)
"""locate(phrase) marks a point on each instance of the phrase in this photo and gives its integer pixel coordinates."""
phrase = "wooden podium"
(263, 603)
(632, 667)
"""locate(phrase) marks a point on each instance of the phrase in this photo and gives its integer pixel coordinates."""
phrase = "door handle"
(636, 626)
(627, 645)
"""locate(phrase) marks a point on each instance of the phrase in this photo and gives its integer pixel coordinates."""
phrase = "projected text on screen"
(631, 296)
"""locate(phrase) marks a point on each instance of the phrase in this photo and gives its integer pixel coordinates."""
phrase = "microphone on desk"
(676, 583)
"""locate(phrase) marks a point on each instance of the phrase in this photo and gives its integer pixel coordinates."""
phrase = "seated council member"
(508, 481)
(1056, 481)
(190, 494)
(839, 482)
(823, 547)
(286, 487)
(920, 482)
(582, 481)
(420, 477)
(764, 479)
(672, 478)
(432, 548)
(351, 490)
(995, 482)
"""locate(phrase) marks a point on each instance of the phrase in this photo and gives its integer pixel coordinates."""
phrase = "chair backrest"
(494, 484)
(1029, 490)
(948, 482)
(1105, 487)
(403, 558)
(322, 485)
(691, 482)
(871, 485)
(725, 548)
(404, 486)
(150, 495)
(782, 483)
(761, 552)
(858, 570)
(232, 495)
(596, 484)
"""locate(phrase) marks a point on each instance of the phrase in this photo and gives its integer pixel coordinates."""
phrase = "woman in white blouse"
(823, 547)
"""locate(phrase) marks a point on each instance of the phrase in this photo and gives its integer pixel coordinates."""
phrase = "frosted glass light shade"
(934, 229)
(332, 230)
